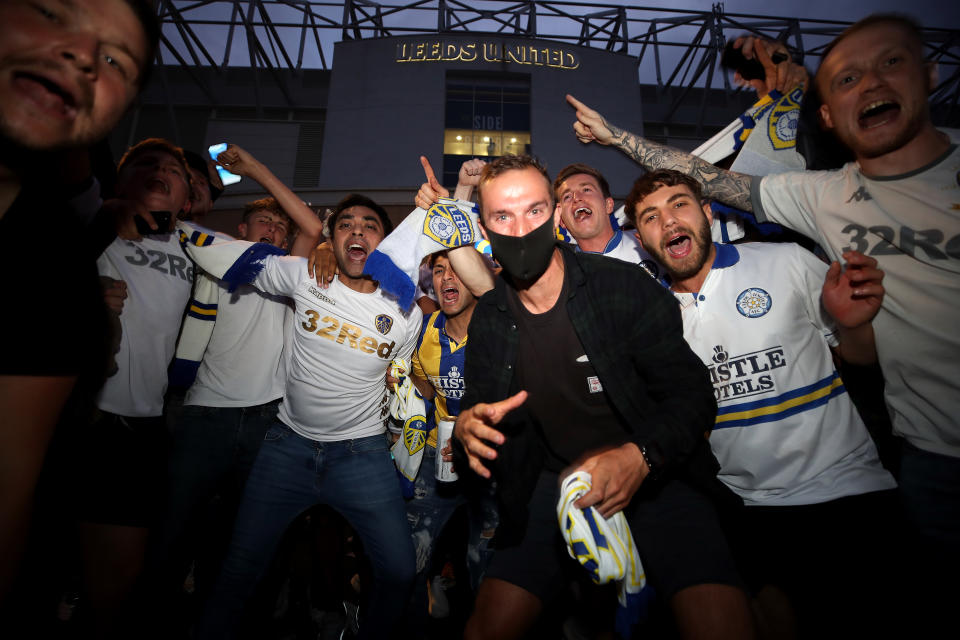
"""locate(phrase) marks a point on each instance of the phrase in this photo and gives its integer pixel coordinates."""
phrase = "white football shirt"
(342, 345)
(911, 225)
(786, 432)
(159, 278)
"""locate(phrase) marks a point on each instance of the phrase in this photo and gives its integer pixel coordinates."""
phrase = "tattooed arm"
(726, 186)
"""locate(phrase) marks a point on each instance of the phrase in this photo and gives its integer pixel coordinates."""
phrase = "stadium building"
(337, 97)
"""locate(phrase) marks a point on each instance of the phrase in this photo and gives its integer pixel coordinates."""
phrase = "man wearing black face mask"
(577, 362)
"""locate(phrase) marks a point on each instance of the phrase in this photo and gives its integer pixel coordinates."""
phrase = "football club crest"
(384, 323)
(447, 224)
(414, 435)
(753, 302)
(784, 119)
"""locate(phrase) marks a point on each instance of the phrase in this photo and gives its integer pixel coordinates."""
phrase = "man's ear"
(556, 210)
(708, 211)
(609, 204)
(825, 118)
(242, 229)
(636, 234)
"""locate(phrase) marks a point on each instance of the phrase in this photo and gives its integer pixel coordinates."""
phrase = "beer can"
(444, 470)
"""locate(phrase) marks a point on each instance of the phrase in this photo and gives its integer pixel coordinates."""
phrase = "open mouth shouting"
(581, 213)
(51, 97)
(679, 245)
(878, 113)
(449, 295)
(356, 252)
(158, 185)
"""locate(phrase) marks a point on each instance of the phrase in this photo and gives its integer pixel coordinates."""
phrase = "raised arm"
(431, 190)
(470, 266)
(783, 76)
(242, 163)
(468, 179)
(726, 186)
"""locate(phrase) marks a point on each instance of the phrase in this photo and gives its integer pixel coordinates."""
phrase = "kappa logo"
(383, 323)
(754, 302)
(317, 293)
(860, 195)
(448, 225)
(784, 119)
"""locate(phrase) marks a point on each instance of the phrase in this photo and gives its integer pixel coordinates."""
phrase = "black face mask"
(525, 258)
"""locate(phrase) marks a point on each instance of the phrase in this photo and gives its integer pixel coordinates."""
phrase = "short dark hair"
(650, 182)
(432, 258)
(155, 144)
(358, 200)
(147, 15)
(911, 26)
(199, 164)
(269, 204)
(576, 168)
(510, 162)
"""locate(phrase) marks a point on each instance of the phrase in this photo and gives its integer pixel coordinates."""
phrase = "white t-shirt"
(242, 365)
(159, 277)
(911, 225)
(787, 432)
(342, 345)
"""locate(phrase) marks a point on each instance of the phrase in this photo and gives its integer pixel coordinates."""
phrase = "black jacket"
(631, 330)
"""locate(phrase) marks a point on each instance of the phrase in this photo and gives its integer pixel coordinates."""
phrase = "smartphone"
(733, 58)
(225, 176)
(162, 218)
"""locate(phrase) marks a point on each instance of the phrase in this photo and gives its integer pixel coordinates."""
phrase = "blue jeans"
(291, 474)
(428, 511)
(213, 449)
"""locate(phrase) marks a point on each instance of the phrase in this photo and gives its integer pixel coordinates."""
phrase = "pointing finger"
(498, 410)
(428, 172)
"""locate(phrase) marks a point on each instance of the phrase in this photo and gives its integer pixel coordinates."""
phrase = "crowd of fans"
(218, 435)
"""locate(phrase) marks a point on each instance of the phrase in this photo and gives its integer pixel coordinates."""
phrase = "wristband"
(652, 466)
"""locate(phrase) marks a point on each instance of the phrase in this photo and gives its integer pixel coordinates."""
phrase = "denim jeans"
(213, 449)
(291, 474)
(428, 511)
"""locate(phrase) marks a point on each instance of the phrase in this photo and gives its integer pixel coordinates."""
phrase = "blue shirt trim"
(727, 256)
(612, 244)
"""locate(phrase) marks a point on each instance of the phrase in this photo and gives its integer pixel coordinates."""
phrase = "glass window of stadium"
(486, 116)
